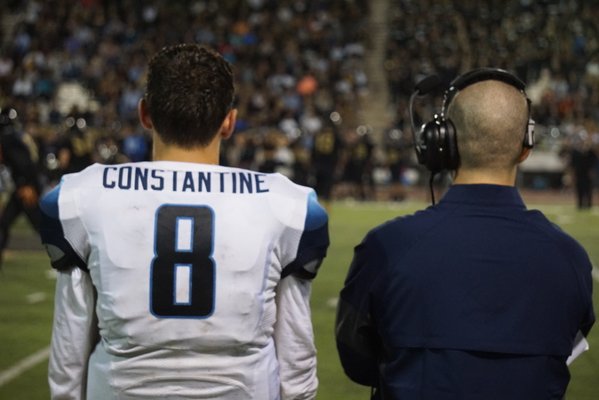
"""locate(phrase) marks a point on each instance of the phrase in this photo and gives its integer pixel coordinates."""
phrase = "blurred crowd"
(553, 45)
(74, 71)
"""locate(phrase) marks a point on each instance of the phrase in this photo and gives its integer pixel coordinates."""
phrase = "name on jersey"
(136, 178)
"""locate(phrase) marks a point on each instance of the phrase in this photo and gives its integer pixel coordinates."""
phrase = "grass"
(26, 319)
(26, 302)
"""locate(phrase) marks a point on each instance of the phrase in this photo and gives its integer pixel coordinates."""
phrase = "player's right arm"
(73, 335)
(74, 329)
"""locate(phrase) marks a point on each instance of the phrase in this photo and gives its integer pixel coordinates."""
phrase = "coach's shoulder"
(403, 231)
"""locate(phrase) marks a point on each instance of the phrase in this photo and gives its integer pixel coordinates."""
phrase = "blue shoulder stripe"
(316, 216)
(313, 243)
(62, 255)
(49, 203)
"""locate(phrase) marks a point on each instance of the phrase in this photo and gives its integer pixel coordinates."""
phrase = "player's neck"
(493, 177)
(201, 155)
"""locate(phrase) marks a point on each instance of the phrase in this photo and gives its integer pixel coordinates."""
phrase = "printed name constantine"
(137, 178)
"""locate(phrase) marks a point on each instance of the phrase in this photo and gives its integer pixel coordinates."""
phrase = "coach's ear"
(228, 126)
(524, 155)
(144, 114)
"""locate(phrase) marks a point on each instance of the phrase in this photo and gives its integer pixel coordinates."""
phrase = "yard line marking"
(51, 274)
(564, 219)
(332, 302)
(23, 365)
(36, 297)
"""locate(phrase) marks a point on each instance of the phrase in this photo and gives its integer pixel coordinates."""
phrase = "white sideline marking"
(23, 365)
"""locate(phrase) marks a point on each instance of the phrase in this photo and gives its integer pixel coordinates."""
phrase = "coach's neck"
(490, 176)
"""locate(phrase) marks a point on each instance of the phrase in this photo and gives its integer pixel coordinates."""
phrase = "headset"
(437, 144)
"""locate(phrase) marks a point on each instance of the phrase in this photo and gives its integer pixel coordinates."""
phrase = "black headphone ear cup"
(438, 149)
(452, 155)
(428, 144)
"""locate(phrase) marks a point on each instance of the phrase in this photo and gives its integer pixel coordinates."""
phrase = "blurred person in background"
(583, 163)
(77, 147)
(22, 176)
(359, 164)
(397, 161)
(326, 159)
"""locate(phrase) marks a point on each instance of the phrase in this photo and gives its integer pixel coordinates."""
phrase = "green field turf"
(26, 290)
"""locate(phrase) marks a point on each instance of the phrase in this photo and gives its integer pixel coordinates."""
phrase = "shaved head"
(490, 118)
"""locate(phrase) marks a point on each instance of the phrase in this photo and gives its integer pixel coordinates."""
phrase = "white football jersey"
(198, 276)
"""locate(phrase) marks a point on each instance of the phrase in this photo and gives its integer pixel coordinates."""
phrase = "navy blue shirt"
(474, 298)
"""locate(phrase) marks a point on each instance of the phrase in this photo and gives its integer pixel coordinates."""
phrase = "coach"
(476, 297)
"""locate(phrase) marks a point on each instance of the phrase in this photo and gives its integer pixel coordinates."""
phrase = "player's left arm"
(294, 340)
(293, 334)
(313, 243)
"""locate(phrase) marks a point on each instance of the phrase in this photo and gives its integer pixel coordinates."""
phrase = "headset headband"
(479, 75)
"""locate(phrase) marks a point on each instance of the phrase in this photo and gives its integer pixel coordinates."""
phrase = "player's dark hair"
(189, 92)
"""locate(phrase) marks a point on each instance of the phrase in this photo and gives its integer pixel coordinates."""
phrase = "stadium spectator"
(475, 297)
(358, 165)
(135, 143)
(204, 269)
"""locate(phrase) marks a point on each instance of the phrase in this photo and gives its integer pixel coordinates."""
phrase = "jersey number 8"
(182, 272)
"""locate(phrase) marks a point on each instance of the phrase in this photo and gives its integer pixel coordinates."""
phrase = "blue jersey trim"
(52, 234)
(313, 243)
(316, 216)
(49, 203)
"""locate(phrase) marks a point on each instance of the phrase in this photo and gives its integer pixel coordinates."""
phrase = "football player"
(180, 278)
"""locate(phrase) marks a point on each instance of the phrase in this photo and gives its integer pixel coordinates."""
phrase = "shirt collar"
(484, 195)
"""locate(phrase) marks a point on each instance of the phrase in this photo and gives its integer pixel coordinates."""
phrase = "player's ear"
(144, 114)
(228, 126)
